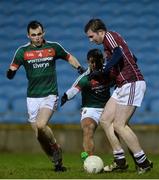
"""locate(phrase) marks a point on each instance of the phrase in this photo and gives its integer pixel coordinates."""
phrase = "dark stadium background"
(137, 21)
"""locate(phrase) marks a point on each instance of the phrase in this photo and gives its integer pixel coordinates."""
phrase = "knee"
(40, 126)
(117, 127)
(104, 123)
(88, 129)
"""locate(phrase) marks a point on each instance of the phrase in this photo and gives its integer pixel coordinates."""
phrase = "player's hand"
(10, 73)
(81, 70)
(64, 98)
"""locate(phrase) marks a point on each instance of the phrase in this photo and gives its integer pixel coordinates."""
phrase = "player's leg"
(129, 97)
(123, 114)
(41, 137)
(40, 111)
(106, 122)
(130, 152)
(46, 138)
(89, 122)
(88, 126)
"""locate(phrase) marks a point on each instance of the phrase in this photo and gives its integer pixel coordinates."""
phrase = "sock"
(141, 159)
(140, 156)
(119, 154)
(119, 157)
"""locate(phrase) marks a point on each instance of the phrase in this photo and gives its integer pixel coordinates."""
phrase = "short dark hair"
(95, 25)
(34, 24)
(97, 56)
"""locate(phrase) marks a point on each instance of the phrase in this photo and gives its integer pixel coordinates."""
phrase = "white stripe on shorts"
(132, 94)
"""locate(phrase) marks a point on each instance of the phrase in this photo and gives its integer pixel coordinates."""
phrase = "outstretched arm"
(74, 62)
(69, 94)
(75, 88)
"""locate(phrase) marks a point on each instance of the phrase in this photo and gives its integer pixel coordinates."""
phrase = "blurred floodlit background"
(64, 21)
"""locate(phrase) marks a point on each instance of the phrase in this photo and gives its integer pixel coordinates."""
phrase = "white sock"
(119, 154)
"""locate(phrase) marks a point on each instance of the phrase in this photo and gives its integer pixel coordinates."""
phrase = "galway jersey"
(40, 67)
(126, 70)
(94, 94)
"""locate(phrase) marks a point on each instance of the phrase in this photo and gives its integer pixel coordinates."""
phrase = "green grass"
(37, 166)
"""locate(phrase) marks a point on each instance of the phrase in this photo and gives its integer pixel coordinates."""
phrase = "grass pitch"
(37, 166)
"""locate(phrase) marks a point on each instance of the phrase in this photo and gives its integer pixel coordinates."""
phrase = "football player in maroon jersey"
(128, 95)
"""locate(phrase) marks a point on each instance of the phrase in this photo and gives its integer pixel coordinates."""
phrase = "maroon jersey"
(126, 70)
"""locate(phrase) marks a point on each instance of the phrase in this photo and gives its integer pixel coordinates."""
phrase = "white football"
(93, 164)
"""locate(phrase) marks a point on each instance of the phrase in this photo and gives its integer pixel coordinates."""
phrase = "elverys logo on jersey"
(39, 58)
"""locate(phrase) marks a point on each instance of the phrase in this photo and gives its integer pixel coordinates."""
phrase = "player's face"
(96, 37)
(36, 36)
(92, 64)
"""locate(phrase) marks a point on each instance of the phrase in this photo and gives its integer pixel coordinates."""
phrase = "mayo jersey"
(94, 94)
(40, 67)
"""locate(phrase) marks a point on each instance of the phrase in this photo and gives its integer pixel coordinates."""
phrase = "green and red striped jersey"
(94, 94)
(40, 67)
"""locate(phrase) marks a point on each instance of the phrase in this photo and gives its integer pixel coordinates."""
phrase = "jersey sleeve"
(18, 58)
(111, 41)
(77, 86)
(61, 52)
(71, 93)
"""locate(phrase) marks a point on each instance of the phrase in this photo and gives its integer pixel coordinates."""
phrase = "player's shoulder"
(22, 48)
(113, 33)
(83, 78)
(113, 36)
(83, 82)
(56, 46)
(53, 43)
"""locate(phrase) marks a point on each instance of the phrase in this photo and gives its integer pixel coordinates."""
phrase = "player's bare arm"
(74, 62)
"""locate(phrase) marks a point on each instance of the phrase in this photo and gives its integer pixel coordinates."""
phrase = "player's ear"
(43, 33)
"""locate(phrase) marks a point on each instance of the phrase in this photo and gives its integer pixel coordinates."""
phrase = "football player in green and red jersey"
(95, 95)
(39, 58)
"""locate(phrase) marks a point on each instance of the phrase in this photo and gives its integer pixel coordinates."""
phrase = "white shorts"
(94, 113)
(130, 94)
(34, 104)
